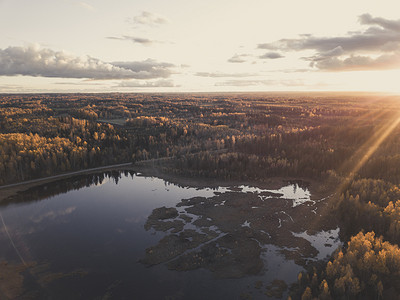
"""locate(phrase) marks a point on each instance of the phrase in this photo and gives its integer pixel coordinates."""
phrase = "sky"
(199, 46)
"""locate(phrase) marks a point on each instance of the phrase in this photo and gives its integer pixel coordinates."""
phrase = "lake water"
(87, 242)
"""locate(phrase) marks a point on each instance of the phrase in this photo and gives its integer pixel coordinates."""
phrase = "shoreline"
(149, 170)
(14, 188)
(318, 189)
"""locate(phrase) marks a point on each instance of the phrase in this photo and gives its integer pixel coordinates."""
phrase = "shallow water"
(87, 242)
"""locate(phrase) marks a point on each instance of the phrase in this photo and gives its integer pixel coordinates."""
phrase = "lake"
(122, 235)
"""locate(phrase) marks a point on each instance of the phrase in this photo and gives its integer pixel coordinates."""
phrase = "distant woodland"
(348, 143)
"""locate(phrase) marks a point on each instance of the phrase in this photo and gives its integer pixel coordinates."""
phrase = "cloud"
(158, 83)
(218, 74)
(245, 82)
(271, 55)
(136, 40)
(238, 58)
(367, 19)
(338, 51)
(10, 87)
(84, 83)
(51, 215)
(33, 61)
(147, 69)
(149, 19)
(376, 47)
(86, 6)
(359, 63)
(242, 83)
(371, 40)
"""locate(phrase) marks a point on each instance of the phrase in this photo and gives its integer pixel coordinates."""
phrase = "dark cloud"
(150, 19)
(271, 55)
(359, 63)
(136, 40)
(158, 83)
(378, 40)
(219, 75)
(371, 49)
(338, 51)
(238, 58)
(367, 19)
(33, 61)
(373, 39)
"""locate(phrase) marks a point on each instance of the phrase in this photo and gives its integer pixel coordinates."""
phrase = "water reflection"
(44, 191)
(93, 237)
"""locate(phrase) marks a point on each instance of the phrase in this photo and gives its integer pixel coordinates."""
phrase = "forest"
(347, 143)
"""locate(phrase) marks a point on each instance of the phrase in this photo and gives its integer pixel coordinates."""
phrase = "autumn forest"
(347, 145)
